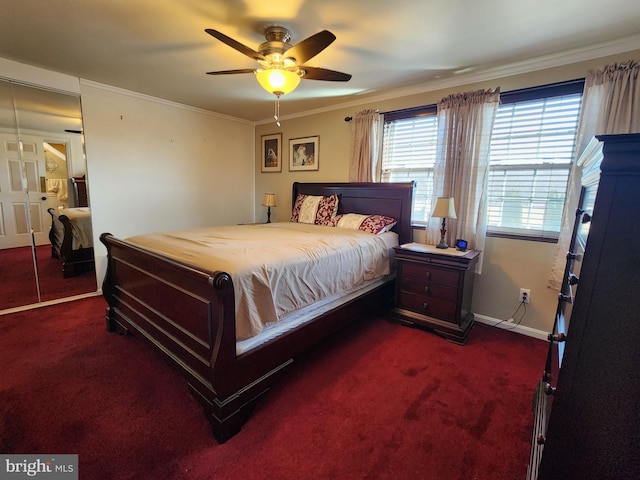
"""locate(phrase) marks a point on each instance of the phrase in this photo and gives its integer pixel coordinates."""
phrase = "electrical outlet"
(525, 295)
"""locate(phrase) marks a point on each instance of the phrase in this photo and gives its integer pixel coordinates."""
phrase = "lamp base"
(443, 232)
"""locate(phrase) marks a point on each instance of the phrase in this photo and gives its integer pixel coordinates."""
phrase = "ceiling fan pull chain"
(276, 115)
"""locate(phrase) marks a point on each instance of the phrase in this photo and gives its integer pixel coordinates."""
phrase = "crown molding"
(161, 101)
(38, 77)
(568, 57)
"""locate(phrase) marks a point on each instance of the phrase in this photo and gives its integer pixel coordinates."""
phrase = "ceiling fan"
(282, 65)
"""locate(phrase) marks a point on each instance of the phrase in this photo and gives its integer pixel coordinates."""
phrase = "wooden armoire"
(592, 424)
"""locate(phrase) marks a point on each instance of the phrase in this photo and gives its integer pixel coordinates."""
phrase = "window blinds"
(409, 153)
(531, 152)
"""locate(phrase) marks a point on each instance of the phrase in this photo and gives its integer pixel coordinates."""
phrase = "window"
(532, 147)
(409, 153)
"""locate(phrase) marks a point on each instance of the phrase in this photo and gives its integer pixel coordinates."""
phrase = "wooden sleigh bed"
(188, 312)
(71, 240)
(70, 233)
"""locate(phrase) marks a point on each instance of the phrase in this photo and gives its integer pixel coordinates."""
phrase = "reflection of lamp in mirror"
(445, 208)
(269, 201)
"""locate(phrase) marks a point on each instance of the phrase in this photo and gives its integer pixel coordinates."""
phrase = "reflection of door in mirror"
(17, 265)
(56, 175)
(42, 151)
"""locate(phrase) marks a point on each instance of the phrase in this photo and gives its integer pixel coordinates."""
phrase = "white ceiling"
(160, 48)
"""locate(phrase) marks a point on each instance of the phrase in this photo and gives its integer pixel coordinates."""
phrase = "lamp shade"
(445, 208)
(269, 200)
(277, 81)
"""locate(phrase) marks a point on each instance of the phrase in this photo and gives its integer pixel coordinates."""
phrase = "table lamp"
(445, 208)
(269, 201)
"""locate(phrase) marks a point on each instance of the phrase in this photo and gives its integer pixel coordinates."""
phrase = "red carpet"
(18, 282)
(377, 401)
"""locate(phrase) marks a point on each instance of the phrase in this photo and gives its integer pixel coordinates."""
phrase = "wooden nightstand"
(434, 288)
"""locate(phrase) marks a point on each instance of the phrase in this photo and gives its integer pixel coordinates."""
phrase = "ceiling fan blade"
(249, 52)
(310, 47)
(317, 73)
(231, 72)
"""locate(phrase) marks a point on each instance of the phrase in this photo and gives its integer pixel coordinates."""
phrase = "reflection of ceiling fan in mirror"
(282, 64)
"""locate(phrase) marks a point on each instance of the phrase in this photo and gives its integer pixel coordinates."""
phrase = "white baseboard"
(24, 308)
(503, 324)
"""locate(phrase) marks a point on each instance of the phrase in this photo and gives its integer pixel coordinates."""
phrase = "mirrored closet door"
(43, 198)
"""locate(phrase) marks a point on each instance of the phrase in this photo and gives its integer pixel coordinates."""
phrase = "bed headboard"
(80, 191)
(391, 199)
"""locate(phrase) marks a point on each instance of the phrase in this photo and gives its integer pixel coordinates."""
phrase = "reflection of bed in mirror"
(37, 118)
(79, 185)
(71, 240)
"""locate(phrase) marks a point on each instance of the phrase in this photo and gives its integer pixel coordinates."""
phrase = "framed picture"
(304, 153)
(271, 153)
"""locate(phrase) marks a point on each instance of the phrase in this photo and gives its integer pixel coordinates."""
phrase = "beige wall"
(154, 165)
(508, 264)
(335, 141)
(157, 166)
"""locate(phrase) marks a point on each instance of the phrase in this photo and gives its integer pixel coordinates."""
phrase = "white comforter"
(80, 218)
(278, 268)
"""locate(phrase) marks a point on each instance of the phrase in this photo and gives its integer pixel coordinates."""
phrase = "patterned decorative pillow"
(314, 209)
(367, 223)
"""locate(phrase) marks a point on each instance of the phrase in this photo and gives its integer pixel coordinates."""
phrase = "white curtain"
(465, 122)
(364, 165)
(610, 105)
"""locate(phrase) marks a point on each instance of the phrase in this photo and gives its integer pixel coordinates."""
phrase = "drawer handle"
(426, 289)
(428, 274)
(425, 306)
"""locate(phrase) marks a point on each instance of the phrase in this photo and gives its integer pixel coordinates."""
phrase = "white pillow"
(367, 223)
(314, 208)
(309, 209)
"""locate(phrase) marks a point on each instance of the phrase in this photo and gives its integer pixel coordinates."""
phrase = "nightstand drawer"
(429, 289)
(430, 273)
(430, 306)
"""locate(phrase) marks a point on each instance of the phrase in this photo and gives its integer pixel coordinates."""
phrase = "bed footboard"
(188, 314)
(74, 262)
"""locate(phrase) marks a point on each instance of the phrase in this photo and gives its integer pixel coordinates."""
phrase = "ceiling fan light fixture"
(278, 81)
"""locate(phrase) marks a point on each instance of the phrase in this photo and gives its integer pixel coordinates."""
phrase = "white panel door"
(33, 160)
(19, 191)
